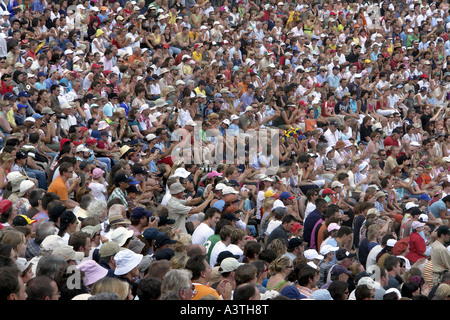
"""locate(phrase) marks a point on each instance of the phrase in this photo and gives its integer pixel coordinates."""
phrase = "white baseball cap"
(311, 254)
(327, 249)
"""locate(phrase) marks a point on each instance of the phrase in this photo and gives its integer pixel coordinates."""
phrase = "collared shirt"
(440, 257)
(178, 211)
(118, 193)
(304, 291)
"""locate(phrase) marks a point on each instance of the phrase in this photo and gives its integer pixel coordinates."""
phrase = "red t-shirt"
(390, 142)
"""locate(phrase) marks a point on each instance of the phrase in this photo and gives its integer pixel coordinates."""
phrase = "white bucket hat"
(126, 260)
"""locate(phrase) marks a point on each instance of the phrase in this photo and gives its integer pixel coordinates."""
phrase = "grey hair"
(49, 265)
(96, 208)
(44, 229)
(116, 209)
(174, 281)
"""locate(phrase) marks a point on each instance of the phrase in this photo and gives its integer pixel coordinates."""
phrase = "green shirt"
(118, 193)
(209, 245)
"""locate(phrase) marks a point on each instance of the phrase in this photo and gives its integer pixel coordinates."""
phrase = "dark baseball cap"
(122, 178)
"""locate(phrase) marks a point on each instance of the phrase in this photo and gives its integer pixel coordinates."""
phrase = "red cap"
(400, 246)
(295, 227)
(95, 65)
(303, 103)
(91, 141)
(5, 204)
(63, 140)
(327, 191)
(84, 129)
(166, 46)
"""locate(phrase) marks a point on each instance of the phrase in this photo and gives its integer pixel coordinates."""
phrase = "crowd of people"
(217, 150)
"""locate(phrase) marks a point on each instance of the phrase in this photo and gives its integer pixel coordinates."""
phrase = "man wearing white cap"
(328, 252)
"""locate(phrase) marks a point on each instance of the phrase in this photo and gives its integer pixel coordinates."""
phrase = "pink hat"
(333, 226)
(92, 271)
(213, 174)
(417, 224)
(97, 173)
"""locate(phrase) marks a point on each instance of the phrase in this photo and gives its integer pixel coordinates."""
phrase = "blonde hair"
(183, 242)
(279, 246)
(279, 264)
(178, 261)
(112, 284)
(443, 290)
(6, 157)
(13, 237)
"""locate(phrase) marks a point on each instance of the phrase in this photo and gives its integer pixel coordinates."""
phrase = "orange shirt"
(59, 187)
(203, 290)
(319, 239)
(310, 125)
(133, 58)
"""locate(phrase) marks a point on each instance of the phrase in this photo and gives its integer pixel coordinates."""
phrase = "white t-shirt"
(234, 249)
(272, 225)
(98, 191)
(201, 234)
(372, 257)
(218, 248)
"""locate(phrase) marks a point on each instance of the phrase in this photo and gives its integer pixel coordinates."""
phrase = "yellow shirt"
(197, 56)
(10, 117)
(197, 91)
(173, 18)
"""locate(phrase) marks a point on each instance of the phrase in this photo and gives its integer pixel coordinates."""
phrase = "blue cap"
(292, 292)
(285, 195)
(9, 96)
(425, 197)
(140, 212)
(151, 233)
(41, 74)
(133, 181)
(21, 106)
(23, 94)
(37, 116)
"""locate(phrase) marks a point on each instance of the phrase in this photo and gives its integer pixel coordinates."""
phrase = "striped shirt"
(118, 193)
(304, 291)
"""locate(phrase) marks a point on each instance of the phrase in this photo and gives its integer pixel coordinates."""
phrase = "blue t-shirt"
(436, 207)
(219, 204)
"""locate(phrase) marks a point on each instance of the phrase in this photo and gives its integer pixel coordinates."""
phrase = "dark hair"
(78, 240)
(251, 249)
(390, 262)
(245, 291)
(362, 292)
(408, 289)
(149, 289)
(288, 218)
(305, 274)
(337, 289)
(9, 282)
(39, 288)
(196, 265)
(47, 198)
